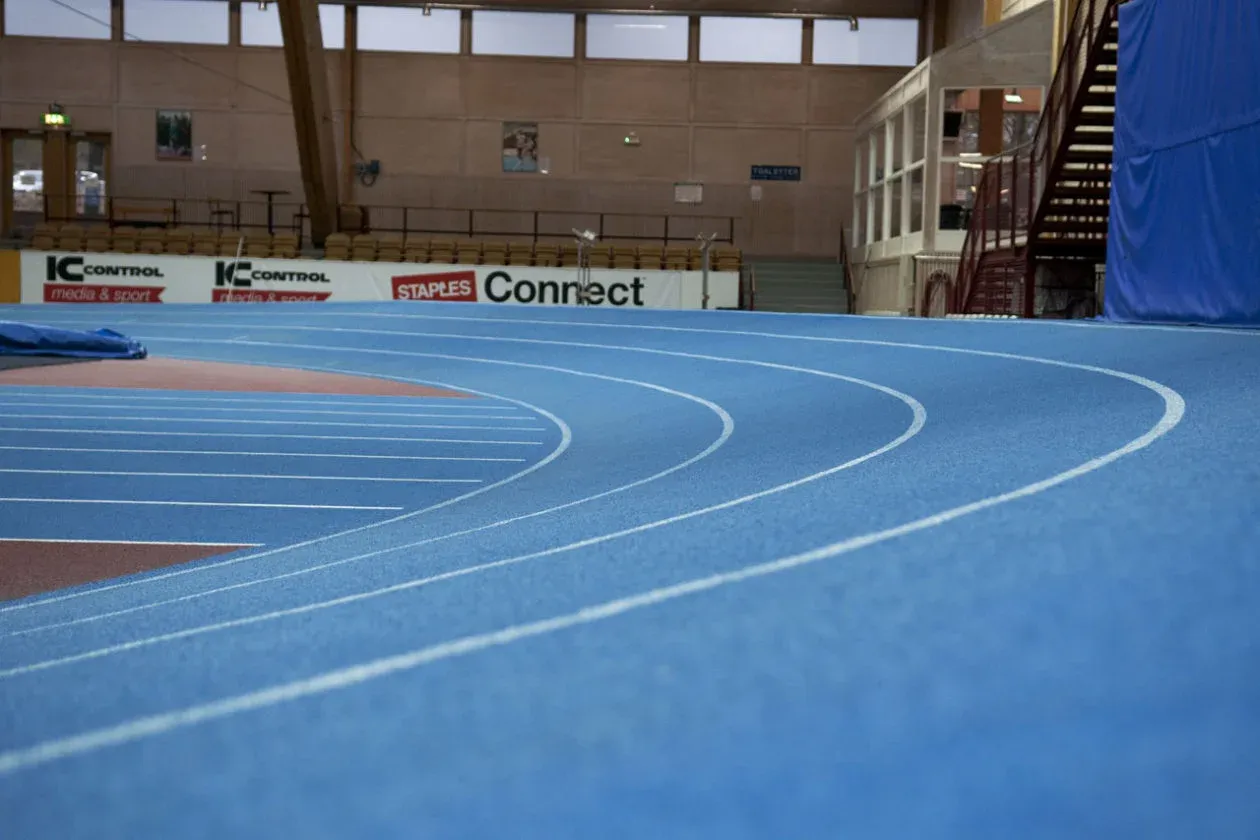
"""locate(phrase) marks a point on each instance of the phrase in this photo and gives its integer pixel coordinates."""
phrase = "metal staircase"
(1039, 227)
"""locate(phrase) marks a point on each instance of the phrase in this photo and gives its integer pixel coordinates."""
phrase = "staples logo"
(451, 285)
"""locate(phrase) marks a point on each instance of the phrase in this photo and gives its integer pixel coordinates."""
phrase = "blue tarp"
(17, 339)
(1184, 242)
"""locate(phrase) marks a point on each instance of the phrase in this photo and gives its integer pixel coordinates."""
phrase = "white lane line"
(342, 678)
(919, 417)
(727, 428)
(236, 410)
(16, 500)
(244, 422)
(269, 436)
(256, 454)
(262, 476)
(131, 542)
(56, 392)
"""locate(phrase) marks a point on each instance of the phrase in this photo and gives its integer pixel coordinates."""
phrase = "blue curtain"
(1184, 239)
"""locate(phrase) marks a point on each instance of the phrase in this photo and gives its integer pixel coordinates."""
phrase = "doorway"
(57, 176)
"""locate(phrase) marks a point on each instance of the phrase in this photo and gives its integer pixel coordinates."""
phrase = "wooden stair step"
(1097, 156)
(1098, 193)
(1081, 226)
(1098, 118)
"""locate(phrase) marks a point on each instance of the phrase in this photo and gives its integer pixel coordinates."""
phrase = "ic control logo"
(78, 269)
(242, 274)
(234, 283)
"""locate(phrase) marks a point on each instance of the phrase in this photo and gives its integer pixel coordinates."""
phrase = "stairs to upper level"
(1041, 211)
(800, 286)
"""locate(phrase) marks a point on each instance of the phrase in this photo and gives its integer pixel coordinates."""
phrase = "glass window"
(898, 142)
(28, 181)
(644, 37)
(66, 19)
(960, 134)
(756, 40)
(261, 27)
(399, 29)
(958, 190)
(894, 206)
(877, 42)
(89, 164)
(859, 220)
(542, 34)
(877, 222)
(863, 169)
(183, 22)
(916, 200)
(916, 124)
(878, 141)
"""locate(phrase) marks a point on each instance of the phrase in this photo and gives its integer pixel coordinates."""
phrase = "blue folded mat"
(18, 339)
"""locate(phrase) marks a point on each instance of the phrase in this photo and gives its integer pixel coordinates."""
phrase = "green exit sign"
(55, 120)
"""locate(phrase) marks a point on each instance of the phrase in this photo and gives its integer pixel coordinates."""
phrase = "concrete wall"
(434, 123)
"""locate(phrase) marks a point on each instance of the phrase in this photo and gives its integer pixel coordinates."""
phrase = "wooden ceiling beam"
(312, 112)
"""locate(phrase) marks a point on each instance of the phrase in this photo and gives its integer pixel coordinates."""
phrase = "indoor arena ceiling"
(821, 8)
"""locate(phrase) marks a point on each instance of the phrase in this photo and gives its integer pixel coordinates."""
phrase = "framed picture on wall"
(520, 147)
(174, 135)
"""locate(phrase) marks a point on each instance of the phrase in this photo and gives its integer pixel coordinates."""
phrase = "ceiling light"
(1014, 97)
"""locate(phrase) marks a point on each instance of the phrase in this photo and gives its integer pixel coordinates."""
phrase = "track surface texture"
(756, 576)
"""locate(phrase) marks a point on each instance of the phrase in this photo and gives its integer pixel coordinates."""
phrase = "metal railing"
(1008, 205)
(292, 217)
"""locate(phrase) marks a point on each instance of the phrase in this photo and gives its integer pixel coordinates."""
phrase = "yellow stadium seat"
(546, 254)
(257, 245)
(467, 252)
(122, 240)
(363, 248)
(389, 248)
(625, 256)
(494, 253)
(676, 257)
(284, 246)
(205, 243)
(442, 251)
(178, 241)
(45, 237)
(97, 240)
(70, 238)
(651, 257)
(151, 241)
(230, 242)
(416, 249)
(337, 247)
(520, 253)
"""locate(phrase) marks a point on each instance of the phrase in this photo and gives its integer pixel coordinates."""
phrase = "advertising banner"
(56, 277)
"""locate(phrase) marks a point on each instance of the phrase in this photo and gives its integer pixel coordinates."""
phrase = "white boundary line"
(57, 389)
(918, 415)
(566, 438)
(130, 542)
(727, 429)
(271, 437)
(261, 476)
(243, 422)
(128, 731)
(237, 410)
(254, 454)
(909, 401)
(154, 502)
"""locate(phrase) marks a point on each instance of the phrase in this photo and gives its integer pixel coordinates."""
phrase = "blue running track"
(736, 576)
